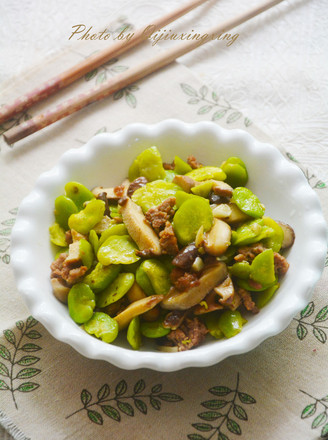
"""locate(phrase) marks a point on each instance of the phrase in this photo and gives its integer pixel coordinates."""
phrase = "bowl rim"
(202, 356)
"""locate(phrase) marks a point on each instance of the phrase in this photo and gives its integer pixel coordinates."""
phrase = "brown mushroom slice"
(174, 319)
(218, 238)
(236, 216)
(225, 290)
(137, 308)
(209, 304)
(138, 228)
(185, 182)
(60, 291)
(227, 294)
(74, 256)
(110, 194)
(222, 188)
(222, 210)
(210, 278)
(104, 224)
(289, 235)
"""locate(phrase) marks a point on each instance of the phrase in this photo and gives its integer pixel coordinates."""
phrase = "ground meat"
(168, 166)
(136, 184)
(247, 300)
(190, 334)
(248, 253)
(57, 265)
(174, 319)
(186, 257)
(119, 190)
(182, 280)
(67, 273)
(74, 275)
(281, 265)
(168, 241)
(159, 215)
(192, 161)
(68, 237)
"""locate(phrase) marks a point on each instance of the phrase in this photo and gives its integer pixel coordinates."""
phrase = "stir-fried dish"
(175, 252)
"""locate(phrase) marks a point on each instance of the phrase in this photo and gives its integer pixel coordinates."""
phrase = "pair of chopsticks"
(112, 85)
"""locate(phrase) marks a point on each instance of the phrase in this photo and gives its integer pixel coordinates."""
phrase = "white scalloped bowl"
(104, 160)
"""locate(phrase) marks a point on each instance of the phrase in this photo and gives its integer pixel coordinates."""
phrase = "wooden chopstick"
(69, 76)
(128, 77)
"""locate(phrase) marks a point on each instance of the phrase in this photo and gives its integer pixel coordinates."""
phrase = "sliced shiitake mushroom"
(289, 235)
(211, 277)
(218, 238)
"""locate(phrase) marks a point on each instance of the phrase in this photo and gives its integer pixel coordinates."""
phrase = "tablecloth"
(279, 390)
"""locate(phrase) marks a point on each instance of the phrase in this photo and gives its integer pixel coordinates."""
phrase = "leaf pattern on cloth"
(306, 322)
(318, 409)
(16, 367)
(121, 402)
(312, 179)
(210, 102)
(102, 73)
(5, 232)
(229, 403)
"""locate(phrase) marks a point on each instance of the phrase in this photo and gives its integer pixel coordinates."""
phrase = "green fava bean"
(236, 172)
(251, 232)
(240, 270)
(57, 235)
(154, 193)
(86, 253)
(64, 208)
(102, 276)
(134, 334)
(248, 202)
(231, 323)
(149, 164)
(252, 287)
(262, 268)
(275, 241)
(206, 173)
(94, 240)
(78, 193)
(116, 290)
(180, 166)
(118, 229)
(261, 299)
(192, 214)
(81, 303)
(212, 324)
(154, 329)
(236, 175)
(118, 249)
(181, 197)
(169, 175)
(102, 326)
(158, 275)
(86, 219)
(203, 189)
(143, 281)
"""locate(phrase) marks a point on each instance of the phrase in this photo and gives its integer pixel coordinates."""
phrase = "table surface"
(276, 72)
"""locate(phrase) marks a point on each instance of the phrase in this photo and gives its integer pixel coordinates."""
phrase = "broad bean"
(81, 303)
(116, 290)
(102, 326)
(87, 218)
(78, 193)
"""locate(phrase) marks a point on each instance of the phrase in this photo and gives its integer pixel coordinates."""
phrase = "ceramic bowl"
(104, 161)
